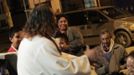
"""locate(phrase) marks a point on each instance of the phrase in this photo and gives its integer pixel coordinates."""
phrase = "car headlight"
(131, 27)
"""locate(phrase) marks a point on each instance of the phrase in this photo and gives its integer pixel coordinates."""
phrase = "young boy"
(65, 46)
(62, 42)
(130, 63)
(15, 36)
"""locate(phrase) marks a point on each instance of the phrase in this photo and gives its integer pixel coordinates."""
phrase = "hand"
(90, 53)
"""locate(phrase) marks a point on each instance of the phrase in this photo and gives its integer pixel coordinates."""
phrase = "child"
(15, 38)
(130, 63)
(62, 42)
(65, 46)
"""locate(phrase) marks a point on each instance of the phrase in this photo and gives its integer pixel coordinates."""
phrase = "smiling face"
(105, 39)
(16, 39)
(130, 65)
(63, 24)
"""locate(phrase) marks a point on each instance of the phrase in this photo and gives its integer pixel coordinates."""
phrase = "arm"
(97, 60)
(47, 55)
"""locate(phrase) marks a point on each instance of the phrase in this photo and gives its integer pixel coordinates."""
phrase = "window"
(95, 17)
(78, 18)
(113, 13)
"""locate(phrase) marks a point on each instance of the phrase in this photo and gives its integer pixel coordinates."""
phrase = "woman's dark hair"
(41, 21)
(61, 15)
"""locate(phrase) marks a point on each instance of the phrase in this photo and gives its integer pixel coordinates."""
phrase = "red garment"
(11, 49)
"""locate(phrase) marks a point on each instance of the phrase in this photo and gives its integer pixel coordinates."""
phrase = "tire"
(122, 37)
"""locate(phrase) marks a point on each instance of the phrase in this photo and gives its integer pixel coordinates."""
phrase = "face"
(105, 39)
(130, 65)
(16, 39)
(63, 24)
(63, 44)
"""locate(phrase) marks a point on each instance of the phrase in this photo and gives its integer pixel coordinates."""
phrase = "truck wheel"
(123, 38)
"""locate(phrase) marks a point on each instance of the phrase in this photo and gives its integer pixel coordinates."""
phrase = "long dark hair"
(41, 22)
(60, 16)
